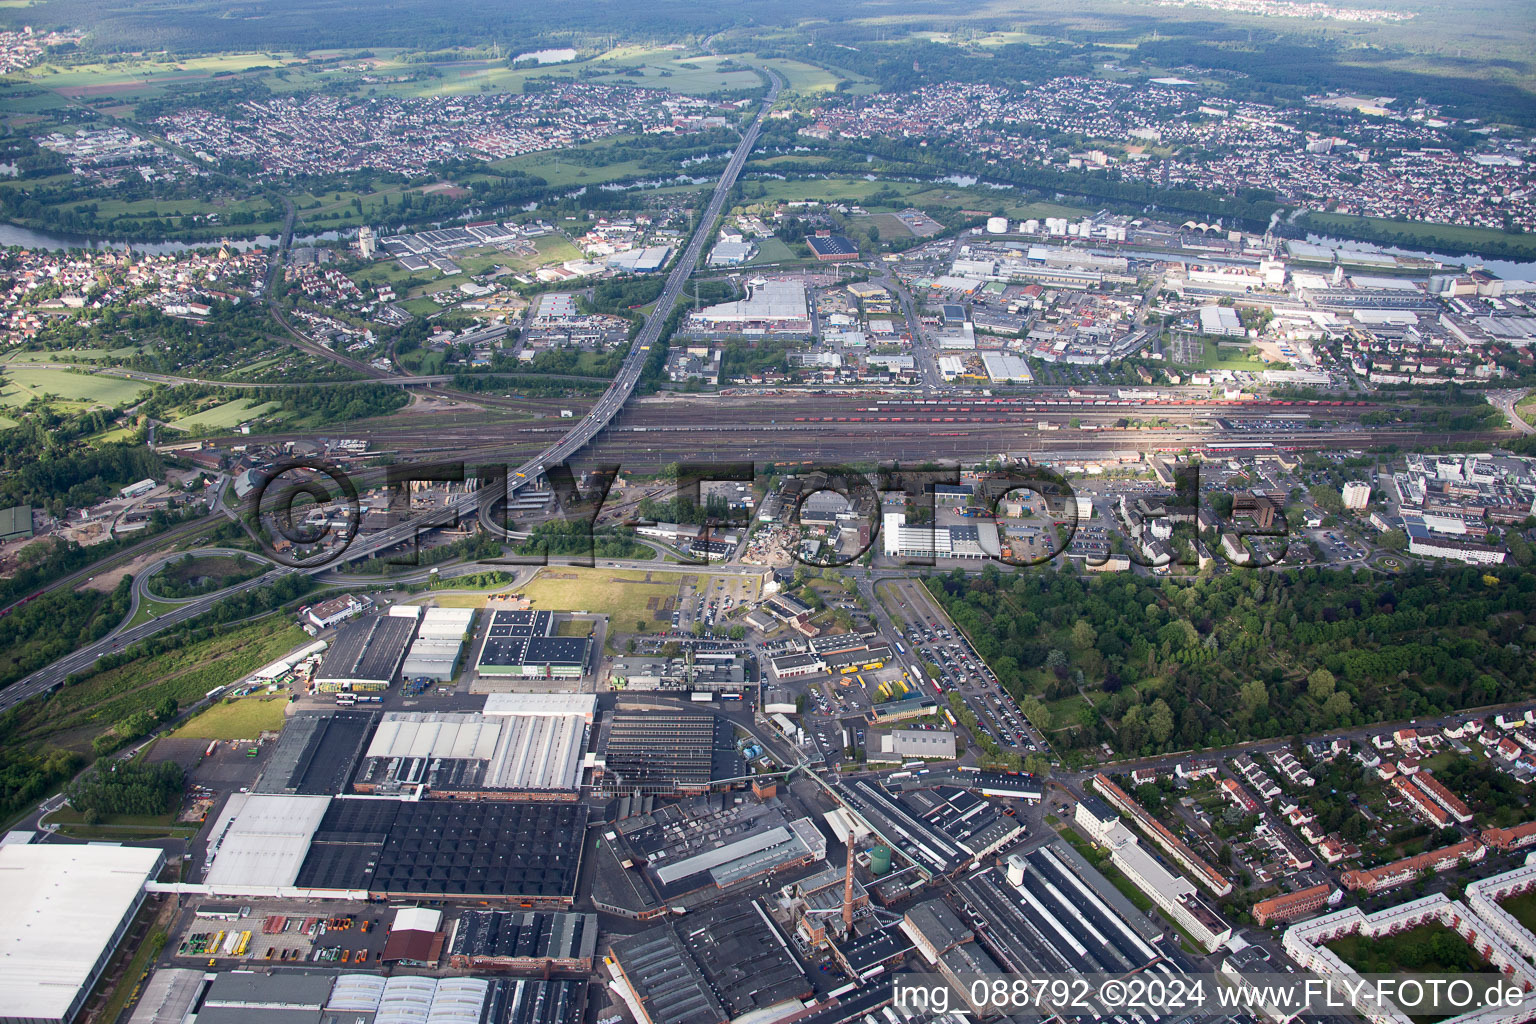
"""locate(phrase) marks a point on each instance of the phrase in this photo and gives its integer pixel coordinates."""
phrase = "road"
(1505, 402)
(578, 437)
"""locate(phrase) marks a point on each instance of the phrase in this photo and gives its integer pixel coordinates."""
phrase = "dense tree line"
(129, 788)
(77, 479)
(1212, 660)
(49, 627)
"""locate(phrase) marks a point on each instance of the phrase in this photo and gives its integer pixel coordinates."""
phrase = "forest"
(1150, 666)
(129, 788)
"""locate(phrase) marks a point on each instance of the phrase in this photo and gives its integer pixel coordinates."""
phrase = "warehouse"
(168, 996)
(259, 841)
(477, 756)
(366, 655)
(439, 640)
(720, 965)
(247, 997)
(316, 753)
(513, 941)
(771, 307)
(443, 848)
(408, 999)
(271, 845)
(1006, 368)
(66, 909)
(667, 753)
(524, 644)
(901, 744)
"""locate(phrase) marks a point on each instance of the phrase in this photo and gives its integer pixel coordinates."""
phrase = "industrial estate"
(743, 516)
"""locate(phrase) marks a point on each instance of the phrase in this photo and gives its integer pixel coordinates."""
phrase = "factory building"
(357, 848)
(771, 307)
(666, 753)
(525, 644)
(507, 940)
(725, 964)
(521, 747)
(692, 853)
(1175, 895)
(66, 909)
(367, 654)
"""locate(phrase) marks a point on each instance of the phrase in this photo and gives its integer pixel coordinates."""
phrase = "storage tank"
(880, 860)
(997, 225)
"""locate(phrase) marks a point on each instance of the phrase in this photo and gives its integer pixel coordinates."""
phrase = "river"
(11, 234)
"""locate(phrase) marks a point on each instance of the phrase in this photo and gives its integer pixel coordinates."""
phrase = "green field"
(224, 416)
(21, 384)
(244, 718)
(1215, 357)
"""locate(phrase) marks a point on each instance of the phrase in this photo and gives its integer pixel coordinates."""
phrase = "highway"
(578, 437)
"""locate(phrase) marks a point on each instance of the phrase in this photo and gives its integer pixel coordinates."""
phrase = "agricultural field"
(79, 713)
(240, 718)
(20, 384)
(804, 79)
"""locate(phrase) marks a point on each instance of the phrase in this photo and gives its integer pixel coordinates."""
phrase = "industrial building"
(1049, 911)
(333, 612)
(1006, 368)
(367, 654)
(248, 997)
(689, 854)
(434, 656)
(16, 523)
(66, 909)
(939, 831)
(168, 996)
(508, 940)
(902, 744)
(441, 848)
(317, 846)
(524, 644)
(771, 307)
(316, 753)
(666, 753)
(1175, 895)
(413, 999)
(728, 963)
(415, 938)
(478, 756)
(832, 248)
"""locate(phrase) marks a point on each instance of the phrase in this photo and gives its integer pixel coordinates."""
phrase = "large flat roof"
(63, 906)
(368, 651)
(260, 840)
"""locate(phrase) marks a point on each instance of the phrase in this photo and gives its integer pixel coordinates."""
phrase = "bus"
(900, 649)
(730, 696)
(346, 700)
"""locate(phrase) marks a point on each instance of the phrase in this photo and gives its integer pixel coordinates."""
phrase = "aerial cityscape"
(894, 513)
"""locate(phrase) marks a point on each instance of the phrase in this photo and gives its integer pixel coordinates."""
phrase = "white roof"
(583, 704)
(766, 300)
(260, 840)
(539, 752)
(62, 905)
(446, 623)
(435, 734)
(417, 919)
